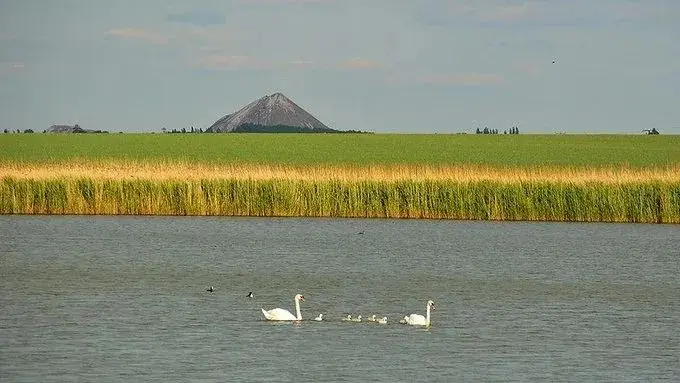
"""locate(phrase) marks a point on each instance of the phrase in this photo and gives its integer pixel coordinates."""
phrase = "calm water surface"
(124, 299)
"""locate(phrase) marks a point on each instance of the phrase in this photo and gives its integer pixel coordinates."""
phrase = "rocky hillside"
(71, 129)
(274, 113)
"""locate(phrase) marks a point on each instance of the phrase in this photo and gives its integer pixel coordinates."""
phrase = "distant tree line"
(54, 129)
(256, 128)
(78, 129)
(486, 130)
(6, 131)
(353, 131)
(183, 130)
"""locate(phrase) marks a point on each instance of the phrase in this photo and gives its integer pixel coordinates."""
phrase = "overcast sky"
(409, 66)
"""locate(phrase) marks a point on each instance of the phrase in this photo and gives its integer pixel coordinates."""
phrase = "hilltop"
(71, 129)
(273, 114)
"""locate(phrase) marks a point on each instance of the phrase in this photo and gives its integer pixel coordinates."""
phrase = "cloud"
(300, 63)
(359, 63)
(223, 61)
(450, 12)
(506, 13)
(469, 79)
(11, 67)
(209, 49)
(574, 13)
(230, 62)
(528, 68)
(284, 1)
(199, 18)
(203, 39)
(137, 34)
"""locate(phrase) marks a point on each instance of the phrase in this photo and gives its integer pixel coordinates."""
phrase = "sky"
(387, 66)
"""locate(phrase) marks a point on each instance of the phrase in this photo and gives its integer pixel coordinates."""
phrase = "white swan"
(419, 320)
(382, 320)
(404, 321)
(319, 318)
(372, 318)
(357, 319)
(281, 314)
(348, 318)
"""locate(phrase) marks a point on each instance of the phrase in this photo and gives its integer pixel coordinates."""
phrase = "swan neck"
(427, 319)
(297, 309)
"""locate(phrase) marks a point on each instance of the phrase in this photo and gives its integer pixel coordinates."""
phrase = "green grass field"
(346, 149)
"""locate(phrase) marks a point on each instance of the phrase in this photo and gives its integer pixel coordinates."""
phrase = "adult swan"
(281, 314)
(419, 320)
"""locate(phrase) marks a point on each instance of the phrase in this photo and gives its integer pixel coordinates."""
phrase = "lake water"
(124, 299)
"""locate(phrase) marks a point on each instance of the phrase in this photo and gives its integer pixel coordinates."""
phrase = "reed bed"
(163, 171)
(463, 192)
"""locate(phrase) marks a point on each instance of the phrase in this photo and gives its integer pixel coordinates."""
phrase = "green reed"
(651, 202)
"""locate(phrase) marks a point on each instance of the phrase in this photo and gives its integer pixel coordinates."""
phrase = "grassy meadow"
(604, 178)
(346, 149)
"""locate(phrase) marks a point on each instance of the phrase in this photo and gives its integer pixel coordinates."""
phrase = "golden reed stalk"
(119, 170)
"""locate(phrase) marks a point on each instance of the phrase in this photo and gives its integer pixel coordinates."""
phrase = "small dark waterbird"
(250, 294)
(210, 289)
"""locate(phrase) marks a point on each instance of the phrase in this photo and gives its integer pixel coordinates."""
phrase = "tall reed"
(119, 170)
(654, 201)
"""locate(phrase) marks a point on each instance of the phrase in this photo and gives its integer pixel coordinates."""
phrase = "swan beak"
(302, 298)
